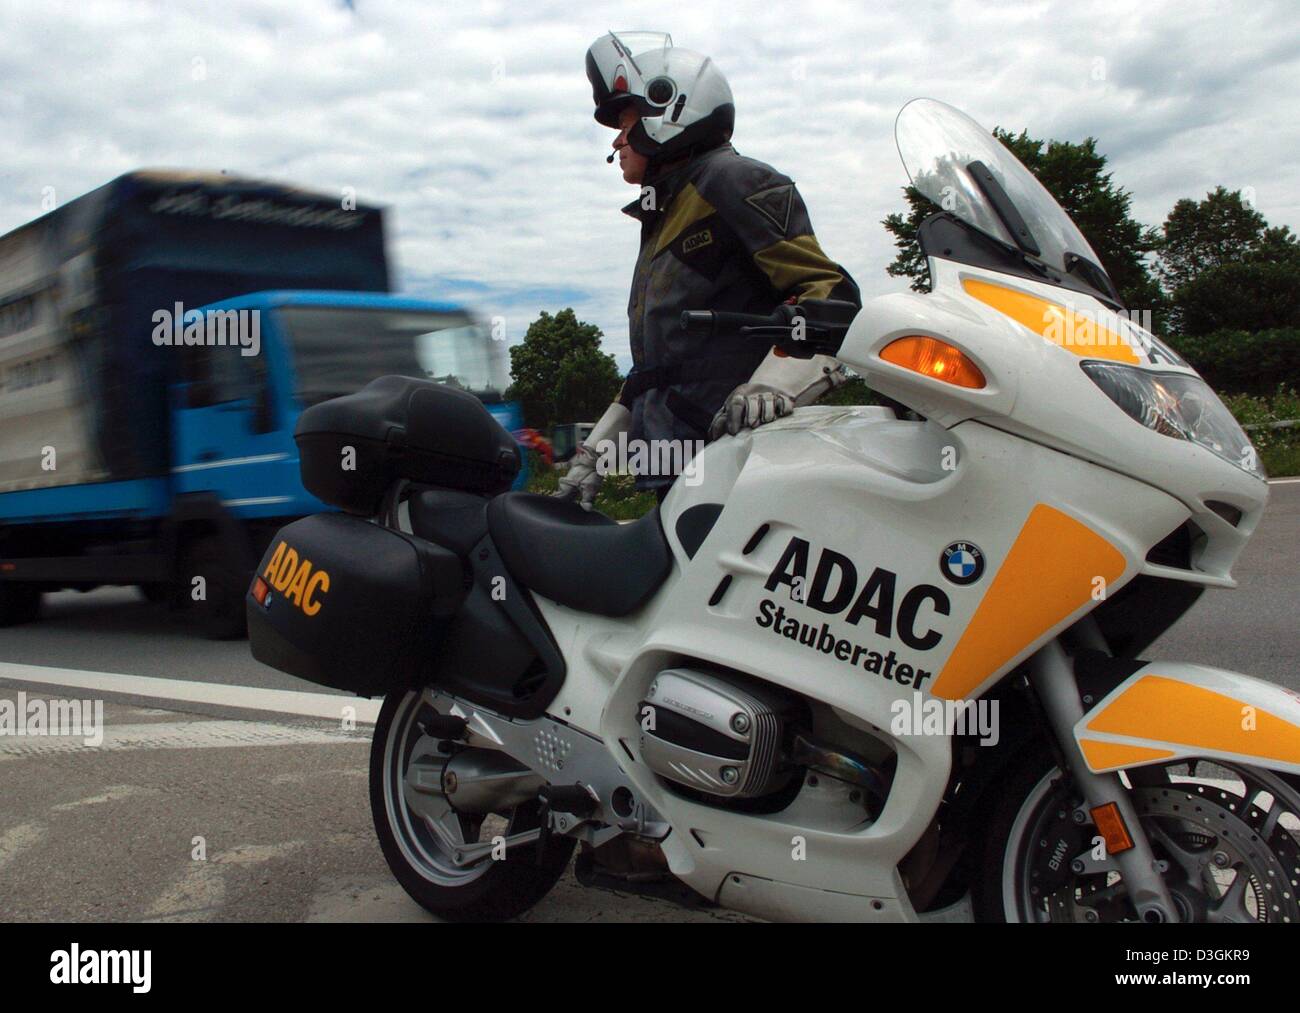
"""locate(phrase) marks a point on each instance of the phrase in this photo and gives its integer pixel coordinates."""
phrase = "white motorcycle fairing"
(1053, 543)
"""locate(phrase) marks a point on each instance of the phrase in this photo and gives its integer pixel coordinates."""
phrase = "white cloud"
(472, 121)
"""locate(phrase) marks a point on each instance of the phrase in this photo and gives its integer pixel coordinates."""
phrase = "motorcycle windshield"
(950, 159)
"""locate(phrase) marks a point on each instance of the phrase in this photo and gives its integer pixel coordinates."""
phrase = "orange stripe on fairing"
(1064, 327)
(1113, 755)
(1166, 710)
(1047, 576)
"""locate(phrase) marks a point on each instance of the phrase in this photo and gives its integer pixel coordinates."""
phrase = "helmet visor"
(613, 72)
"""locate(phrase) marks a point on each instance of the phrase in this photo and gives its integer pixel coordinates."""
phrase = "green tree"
(1244, 362)
(559, 372)
(1075, 175)
(1224, 267)
(1198, 236)
(1247, 296)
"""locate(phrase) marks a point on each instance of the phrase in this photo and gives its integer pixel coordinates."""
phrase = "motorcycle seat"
(576, 557)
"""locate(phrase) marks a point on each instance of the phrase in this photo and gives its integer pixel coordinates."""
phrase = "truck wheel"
(221, 611)
(19, 603)
(156, 594)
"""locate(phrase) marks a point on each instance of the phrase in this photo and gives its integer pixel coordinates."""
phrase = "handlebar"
(814, 327)
(713, 321)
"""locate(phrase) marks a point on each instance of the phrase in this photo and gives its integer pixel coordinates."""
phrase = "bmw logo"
(962, 562)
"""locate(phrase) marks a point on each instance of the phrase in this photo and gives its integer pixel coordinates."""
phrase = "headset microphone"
(610, 160)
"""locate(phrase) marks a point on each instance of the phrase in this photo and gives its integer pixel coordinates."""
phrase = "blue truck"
(159, 337)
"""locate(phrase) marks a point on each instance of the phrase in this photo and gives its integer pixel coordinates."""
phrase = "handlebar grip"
(697, 321)
(712, 321)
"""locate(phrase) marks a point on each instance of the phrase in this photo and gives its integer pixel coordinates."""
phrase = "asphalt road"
(1256, 628)
(183, 818)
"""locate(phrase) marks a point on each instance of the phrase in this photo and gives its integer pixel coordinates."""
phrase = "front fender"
(1167, 711)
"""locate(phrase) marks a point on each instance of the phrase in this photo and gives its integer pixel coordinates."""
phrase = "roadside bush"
(1244, 362)
(1279, 449)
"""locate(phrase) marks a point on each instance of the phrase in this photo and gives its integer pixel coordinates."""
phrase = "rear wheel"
(19, 603)
(1227, 836)
(443, 858)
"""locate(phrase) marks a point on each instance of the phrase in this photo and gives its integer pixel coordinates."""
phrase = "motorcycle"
(869, 663)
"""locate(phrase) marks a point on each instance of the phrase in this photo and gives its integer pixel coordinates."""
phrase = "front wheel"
(1227, 836)
(443, 858)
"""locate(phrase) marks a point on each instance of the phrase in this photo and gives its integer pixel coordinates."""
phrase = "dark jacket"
(722, 232)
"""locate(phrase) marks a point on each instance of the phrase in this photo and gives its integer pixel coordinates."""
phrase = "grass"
(1281, 460)
(617, 498)
(1279, 449)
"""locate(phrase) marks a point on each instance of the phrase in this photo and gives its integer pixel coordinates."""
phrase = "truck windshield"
(338, 350)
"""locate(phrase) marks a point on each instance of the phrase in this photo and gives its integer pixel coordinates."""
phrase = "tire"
(986, 880)
(221, 614)
(155, 594)
(19, 603)
(1190, 810)
(495, 890)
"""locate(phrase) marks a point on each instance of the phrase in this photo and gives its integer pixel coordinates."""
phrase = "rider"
(719, 231)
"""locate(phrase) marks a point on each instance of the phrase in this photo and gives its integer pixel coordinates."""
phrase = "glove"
(748, 406)
(582, 481)
(779, 385)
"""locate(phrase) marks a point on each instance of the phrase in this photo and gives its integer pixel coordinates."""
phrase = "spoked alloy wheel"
(442, 857)
(1227, 837)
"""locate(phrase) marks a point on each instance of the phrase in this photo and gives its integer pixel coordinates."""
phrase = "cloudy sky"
(472, 121)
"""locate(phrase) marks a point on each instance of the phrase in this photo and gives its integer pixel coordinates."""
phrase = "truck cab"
(160, 337)
(234, 415)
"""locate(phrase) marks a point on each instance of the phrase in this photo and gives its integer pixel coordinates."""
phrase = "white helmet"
(681, 95)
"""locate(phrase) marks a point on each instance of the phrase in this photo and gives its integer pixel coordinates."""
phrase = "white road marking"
(255, 854)
(1283, 481)
(18, 839)
(279, 701)
(113, 794)
(196, 897)
(178, 735)
(199, 894)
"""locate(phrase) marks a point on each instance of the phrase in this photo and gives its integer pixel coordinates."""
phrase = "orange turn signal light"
(1110, 824)
(935, 359)
(260, 590)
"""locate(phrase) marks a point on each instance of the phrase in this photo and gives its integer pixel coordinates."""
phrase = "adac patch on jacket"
(703, 246)
(693, 242)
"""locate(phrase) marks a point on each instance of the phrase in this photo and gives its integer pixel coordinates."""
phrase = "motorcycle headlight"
(1177, 405)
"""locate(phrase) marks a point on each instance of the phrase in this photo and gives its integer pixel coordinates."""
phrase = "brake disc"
(1230, 860)
(1226, 857)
